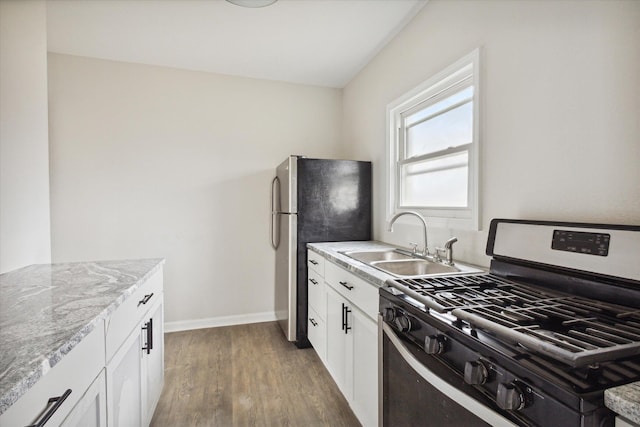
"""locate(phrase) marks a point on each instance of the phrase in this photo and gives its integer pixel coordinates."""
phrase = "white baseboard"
(212, 322)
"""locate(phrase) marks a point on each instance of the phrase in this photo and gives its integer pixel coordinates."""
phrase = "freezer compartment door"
(285, 281)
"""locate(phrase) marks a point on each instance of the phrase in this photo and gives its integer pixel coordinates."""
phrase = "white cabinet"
(365, 369)
(61, 389)
(135, 372)
(91, 410)
(124, 387)
(622, 422)
(153, 361)
(351, 336)
(340, 341)
(317, 304)
(113, 376)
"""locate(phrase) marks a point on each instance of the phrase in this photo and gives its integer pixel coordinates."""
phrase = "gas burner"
(573, 330)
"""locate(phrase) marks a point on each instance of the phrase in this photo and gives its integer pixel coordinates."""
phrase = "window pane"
(418, 116)
(440, 182)
(450, 129)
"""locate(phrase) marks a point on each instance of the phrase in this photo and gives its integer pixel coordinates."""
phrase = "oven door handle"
(480, 410)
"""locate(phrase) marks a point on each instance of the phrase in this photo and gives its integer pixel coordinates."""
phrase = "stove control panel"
(581, 242)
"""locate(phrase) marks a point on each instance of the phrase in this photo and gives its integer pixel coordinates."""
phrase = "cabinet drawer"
(73, 375)
(317, 333)
(129, 314)
(361, 293)
(317, 294)
(315, 262)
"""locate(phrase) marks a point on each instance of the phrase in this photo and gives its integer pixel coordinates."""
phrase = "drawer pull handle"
(145, 299)
(58, 402)
(313, 261)
(314, 281)
(313, 321)
(346, 285)
(148, 326)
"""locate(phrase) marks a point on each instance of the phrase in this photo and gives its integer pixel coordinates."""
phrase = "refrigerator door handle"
(275, 210)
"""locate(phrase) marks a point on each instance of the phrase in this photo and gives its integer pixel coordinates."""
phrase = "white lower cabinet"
(124, 387)
(340, 341)
(113, 376)
(57, 394)
(153, 362)
(317, 305)
(350, 344)
(135, 374)
(365, 369)
(91, 410)
(621, 422)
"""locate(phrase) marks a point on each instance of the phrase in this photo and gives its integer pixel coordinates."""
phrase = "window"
(433, 145)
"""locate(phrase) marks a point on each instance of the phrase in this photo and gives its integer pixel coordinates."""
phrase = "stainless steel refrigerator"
(313, 200)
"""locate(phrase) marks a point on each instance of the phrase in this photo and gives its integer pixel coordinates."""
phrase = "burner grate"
(575, 330)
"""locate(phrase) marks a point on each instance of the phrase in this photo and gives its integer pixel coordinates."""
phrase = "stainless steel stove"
(535, 341)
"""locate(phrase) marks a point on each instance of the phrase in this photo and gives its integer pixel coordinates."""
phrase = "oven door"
(413, 393)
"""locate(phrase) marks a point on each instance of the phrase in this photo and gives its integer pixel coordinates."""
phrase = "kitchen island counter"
(47, 309)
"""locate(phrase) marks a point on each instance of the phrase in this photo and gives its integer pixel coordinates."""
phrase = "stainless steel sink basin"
(372, 256)
(400, 264)
(414, 267)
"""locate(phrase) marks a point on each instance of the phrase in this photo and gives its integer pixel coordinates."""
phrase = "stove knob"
(475, 373)
(403, 322)
(510, 397)
(434, 344)
(389, 315)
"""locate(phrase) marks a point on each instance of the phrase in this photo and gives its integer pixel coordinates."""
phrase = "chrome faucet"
(425, 251)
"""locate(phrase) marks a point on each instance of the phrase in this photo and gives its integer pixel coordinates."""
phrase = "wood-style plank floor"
(246, 375)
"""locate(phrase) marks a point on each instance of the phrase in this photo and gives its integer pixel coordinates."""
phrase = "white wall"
(561, 128)
(157, 162)
(25, 236)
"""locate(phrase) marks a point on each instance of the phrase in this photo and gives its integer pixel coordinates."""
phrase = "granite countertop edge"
(52, 358)
(625, 401)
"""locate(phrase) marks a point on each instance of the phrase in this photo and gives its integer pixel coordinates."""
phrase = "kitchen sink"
(372, 256)
(399, 263)
(414, 267)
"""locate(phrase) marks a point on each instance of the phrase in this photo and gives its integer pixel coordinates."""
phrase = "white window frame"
(429, 92)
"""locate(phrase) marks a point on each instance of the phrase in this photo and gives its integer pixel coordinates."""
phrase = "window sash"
(459, 76)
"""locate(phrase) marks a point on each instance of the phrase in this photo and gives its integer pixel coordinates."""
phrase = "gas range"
(554, 323)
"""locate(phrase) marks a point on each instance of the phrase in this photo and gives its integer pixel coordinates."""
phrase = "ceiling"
(316, 42)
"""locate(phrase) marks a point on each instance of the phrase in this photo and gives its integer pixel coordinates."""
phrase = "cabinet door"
(91, 410)
(339, 341)
(124, 388)
(153, 359)
(365, 369)
(317, 333)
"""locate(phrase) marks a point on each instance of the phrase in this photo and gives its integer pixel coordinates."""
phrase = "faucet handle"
(449, 243)
(414, 247)
(448, 250)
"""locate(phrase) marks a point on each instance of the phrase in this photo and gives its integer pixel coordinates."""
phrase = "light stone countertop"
(46, 309)
(332, 251)
(625, 401)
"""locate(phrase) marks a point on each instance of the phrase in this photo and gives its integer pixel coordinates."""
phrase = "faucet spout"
(425, 251)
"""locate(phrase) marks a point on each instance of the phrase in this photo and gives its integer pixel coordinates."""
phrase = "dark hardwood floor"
(246, 375)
